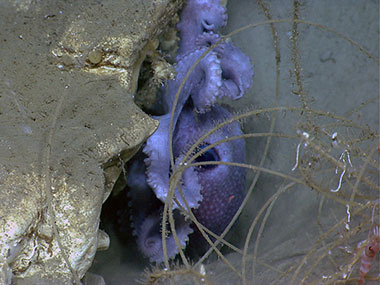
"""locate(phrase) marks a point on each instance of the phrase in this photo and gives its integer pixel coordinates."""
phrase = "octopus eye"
(207, 27)
(209, 155)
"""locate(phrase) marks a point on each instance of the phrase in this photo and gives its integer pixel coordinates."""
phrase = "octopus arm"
(158, 159)
(203, 84)
(237, 72)
(191, 187)
(149, 237)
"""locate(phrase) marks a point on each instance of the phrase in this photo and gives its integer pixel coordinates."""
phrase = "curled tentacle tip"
(149, 237)
(237, 70)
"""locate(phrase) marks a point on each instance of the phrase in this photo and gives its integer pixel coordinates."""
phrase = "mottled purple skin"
(205, 79)
(214, 193)
(149, 236)
(223, 187)
(208, 82)
(237, 72)
(197, 17)
(146, 214)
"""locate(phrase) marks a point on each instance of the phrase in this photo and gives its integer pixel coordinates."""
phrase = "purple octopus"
(214, 192)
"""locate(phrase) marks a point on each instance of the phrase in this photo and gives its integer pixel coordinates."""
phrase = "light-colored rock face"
(67, 71)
